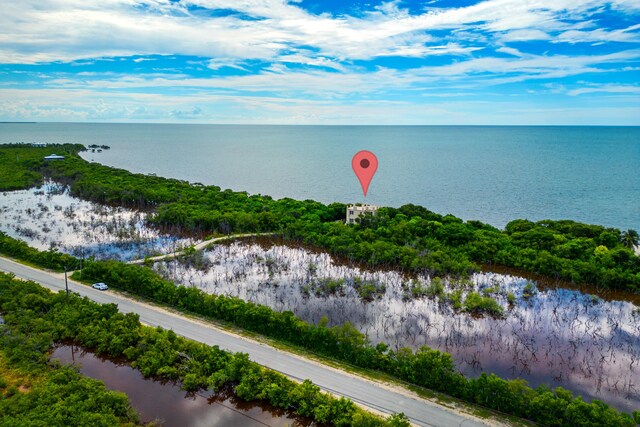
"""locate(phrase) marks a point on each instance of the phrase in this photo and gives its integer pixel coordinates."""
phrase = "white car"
(100, 286)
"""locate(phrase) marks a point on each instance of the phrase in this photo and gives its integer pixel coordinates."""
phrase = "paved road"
(365, 392)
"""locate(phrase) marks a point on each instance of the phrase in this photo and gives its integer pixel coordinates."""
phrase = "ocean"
(489, 173)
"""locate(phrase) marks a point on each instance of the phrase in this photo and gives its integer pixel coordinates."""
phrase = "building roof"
(363, 207)
(54, 157)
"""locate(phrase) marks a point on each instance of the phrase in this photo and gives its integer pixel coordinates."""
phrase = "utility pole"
(82, 263)
(66, 283)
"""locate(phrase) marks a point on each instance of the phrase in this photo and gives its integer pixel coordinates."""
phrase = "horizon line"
(318, 124)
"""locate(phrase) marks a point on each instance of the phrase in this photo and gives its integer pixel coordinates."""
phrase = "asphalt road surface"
(364, 392)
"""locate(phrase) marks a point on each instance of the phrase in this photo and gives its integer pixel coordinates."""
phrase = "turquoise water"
(490, 173)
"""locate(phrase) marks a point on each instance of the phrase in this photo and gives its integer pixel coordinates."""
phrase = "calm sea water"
(490, 173)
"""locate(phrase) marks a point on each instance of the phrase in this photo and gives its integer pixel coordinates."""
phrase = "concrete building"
(354, 211)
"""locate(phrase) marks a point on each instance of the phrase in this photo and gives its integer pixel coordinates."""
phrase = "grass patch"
(16, 379)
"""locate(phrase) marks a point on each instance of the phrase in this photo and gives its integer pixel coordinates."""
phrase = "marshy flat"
(553, 336)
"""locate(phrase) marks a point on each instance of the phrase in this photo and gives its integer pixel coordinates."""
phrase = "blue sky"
(321, 62)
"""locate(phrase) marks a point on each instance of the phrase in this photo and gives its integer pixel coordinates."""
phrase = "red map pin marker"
(364, 164)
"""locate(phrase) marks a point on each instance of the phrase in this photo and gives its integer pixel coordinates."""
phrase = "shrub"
(476, 303)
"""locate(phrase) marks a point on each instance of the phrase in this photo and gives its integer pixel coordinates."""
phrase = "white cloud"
(308, 59)
(606, 88)
(87, 105)
(65, 30)
(217, 63)
(528, 66)
(303, 55)
(524, 35)
(510, 51)
(473, 74)
(600, 35)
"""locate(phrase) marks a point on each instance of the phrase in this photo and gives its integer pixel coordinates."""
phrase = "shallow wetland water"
(48, 217)
(555, 336)
(166, 403)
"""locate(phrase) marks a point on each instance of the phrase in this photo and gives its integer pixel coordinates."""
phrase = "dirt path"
(197, 246)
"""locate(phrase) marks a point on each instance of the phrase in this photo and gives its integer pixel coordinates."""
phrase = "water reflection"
(555, 337)
(48, 217)
(166, 403)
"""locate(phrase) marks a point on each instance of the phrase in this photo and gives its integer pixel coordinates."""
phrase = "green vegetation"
(64, 397)
(529, 290)
(455, 298)
(190, 257)
(476, 303)
(35, 393)
(324, 287)
(411, 238)
(48, 259)
(630, 238)
(37, 318)
(19, 164)
(415, 289)
(368, 290)
(426, 367)
(473, 302)
(491, 290)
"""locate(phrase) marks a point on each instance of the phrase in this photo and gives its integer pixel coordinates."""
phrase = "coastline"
(197, 204)
(309, 163)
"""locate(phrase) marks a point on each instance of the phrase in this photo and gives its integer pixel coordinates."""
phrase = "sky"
(436, 62)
